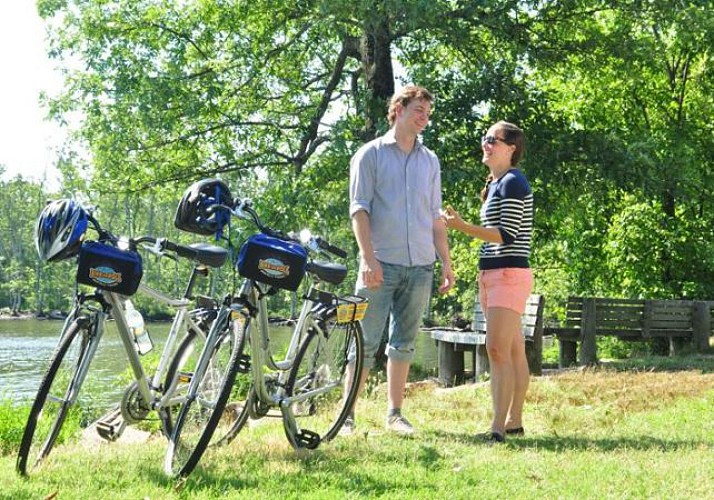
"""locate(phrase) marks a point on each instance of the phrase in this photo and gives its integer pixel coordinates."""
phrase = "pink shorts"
(508, 287)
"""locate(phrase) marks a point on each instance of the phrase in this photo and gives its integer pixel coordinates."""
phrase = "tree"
(275, 96)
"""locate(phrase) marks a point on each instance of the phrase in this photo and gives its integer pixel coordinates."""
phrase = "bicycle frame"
(182, 322)
(261, 353)
(147, 388)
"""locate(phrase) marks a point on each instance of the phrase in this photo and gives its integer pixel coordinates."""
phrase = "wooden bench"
(452, 344)
(680, 321)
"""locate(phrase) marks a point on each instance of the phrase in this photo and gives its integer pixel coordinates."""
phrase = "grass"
(636, 429)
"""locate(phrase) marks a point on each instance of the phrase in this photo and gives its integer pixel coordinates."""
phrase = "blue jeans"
(402, 297)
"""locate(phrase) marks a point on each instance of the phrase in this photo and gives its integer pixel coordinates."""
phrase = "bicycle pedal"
(111, 426)
(308, 439)
(185, 377)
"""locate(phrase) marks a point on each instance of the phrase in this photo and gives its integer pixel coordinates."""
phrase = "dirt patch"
(131, 435)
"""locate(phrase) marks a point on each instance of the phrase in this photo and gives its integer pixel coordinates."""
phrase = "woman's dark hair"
(512, 134)
(484, 191)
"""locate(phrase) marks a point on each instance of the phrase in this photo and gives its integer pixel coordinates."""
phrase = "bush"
(12, 424)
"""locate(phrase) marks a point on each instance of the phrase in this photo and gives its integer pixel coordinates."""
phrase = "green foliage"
(275, 97)
(12, 424)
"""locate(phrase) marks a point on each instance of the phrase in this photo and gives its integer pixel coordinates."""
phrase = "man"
(395, 204)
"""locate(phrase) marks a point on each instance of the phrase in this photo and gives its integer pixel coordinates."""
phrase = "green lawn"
(605, 433)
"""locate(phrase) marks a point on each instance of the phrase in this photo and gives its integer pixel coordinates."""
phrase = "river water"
(27, 344)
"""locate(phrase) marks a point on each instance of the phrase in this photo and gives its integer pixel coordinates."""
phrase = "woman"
(505, 278)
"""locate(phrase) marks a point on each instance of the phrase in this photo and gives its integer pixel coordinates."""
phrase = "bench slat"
(458, 337)
(629, 319)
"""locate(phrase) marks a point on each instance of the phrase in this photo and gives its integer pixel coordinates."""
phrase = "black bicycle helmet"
(192, 212)
(60, 229)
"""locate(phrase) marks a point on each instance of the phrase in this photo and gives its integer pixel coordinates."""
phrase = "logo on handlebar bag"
(105, 276)
(274, 268)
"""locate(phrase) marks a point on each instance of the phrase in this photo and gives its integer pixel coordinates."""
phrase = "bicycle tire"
(50, 408)
(242, 395)
(321, 362)
(200, 416)
(182, 363)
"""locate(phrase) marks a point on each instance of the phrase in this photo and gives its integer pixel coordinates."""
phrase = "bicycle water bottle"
(135, 321)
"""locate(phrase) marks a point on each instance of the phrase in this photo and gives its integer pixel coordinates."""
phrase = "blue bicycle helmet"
(59, 231)
(192, 214)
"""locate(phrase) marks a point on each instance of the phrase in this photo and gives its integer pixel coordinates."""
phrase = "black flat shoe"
(491, 437)
(517, 431)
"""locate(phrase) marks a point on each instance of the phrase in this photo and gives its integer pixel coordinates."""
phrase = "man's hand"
(371, 272)
(448, 278)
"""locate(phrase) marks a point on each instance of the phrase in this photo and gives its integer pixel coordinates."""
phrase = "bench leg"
(451, 364)
(481, 365)
(534, 354)
(568, 353)
(679, 345)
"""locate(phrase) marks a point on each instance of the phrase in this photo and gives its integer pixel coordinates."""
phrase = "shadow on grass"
(337, 472)
(341, 477)
(701, 362)
(570, 443)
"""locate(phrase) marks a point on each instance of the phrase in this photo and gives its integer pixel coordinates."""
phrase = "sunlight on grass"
(644, 432)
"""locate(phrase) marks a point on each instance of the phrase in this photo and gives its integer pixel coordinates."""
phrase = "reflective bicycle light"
(305, 235)
(123, 243)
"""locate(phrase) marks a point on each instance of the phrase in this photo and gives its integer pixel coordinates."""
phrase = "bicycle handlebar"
(244, 210)
(161, 245)
(328, 247)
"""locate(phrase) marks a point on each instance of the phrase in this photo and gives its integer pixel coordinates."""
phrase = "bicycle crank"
(133, 408)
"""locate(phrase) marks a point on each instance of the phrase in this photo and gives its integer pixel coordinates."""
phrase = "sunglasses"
(491, 139)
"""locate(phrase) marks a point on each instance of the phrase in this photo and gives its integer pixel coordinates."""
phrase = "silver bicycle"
(112, 269)
(308, 384)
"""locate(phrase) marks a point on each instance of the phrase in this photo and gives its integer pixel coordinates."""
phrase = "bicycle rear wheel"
(53, 405)
(319, 380)
(201, 414)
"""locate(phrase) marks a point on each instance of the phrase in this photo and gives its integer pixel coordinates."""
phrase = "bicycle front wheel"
(324, 394)
(201, 413)
(53, 405)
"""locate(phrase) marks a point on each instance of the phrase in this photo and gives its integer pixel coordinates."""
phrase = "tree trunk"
(376, 54)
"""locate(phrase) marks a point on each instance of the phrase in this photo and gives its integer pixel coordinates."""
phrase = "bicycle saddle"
(210, 255)
(328, 271)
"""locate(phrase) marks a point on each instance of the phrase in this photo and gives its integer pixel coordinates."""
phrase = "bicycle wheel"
(201, 413)
(52, 406)
(318, 379)
(238, 409)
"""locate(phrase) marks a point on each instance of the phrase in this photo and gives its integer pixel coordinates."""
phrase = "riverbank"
(6, 314)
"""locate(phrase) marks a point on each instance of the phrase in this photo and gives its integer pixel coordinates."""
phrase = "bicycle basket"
(351, 308)
(272, 261)
(109, 268)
